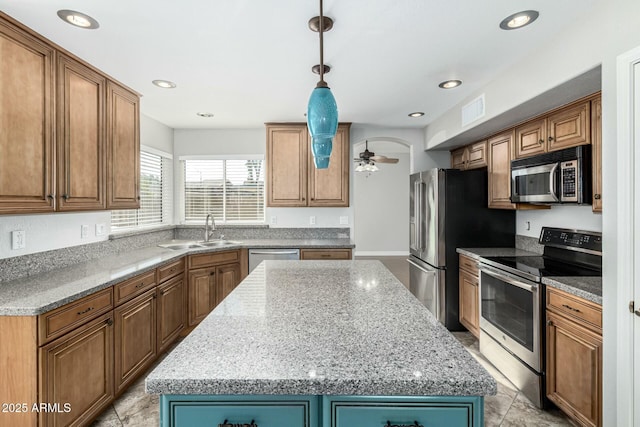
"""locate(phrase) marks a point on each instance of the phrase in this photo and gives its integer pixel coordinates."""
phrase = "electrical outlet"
(84, 231)
(312, 220)
(100, 229)
(274, 220)
(527, 225)
(18, 239)
(344, 220)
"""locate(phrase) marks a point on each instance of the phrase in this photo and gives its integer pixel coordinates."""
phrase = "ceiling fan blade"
(384, 159)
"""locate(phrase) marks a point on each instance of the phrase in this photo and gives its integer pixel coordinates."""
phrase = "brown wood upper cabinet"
(81, 136)
(293, 180)
(500, 153)
(472, 156)
(596, 153)
(27, 122)
(123, 148)
(47, 95)
(564, 128)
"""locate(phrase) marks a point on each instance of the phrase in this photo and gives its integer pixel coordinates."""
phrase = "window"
(155, 194)
(231, 189)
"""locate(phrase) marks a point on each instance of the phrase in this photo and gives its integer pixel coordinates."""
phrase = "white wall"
(381, 203)
(598, 37)
(561, 216)
(59, 230)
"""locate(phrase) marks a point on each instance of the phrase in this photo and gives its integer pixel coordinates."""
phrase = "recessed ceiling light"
(205, 114)
(450, 84)
(165, 84)
(78, 19)
(519, 20)
(416, 114)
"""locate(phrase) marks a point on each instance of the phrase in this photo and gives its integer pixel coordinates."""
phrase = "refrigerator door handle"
(421, 268)
(418, 214)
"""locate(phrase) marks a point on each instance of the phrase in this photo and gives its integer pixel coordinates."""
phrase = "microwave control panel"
(569, 181)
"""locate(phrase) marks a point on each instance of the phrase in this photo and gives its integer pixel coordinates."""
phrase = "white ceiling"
(249, 62)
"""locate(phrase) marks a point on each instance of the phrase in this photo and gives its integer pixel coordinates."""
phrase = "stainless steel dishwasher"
(256, 256)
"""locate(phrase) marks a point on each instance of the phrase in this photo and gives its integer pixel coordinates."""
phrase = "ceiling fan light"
(360, 168)
(373, 167)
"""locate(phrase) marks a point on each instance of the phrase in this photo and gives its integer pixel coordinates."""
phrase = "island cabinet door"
(238, 410)
(360, 411)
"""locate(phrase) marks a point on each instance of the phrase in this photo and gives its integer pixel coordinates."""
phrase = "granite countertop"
(320, 328)
(589, 288)
(37, 294)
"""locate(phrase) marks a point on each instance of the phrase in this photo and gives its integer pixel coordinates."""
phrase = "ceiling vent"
(473, 110)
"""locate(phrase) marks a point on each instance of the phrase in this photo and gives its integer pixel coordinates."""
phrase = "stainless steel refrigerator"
(448, 210)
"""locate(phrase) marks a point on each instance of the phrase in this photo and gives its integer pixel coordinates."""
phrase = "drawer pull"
(325, 255)
(415, 424)
(571, 308)
(109, 322)
(172, 270)
(80, 313)
(226, 423)
(139, 285)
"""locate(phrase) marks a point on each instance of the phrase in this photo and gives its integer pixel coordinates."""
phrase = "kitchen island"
(320, 343)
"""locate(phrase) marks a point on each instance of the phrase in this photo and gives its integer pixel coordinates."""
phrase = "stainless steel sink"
(177, 245)
(217, 242)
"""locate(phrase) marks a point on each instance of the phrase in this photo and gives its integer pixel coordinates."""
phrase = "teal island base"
(320, 411)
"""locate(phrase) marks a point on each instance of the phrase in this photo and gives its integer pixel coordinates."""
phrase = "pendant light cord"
(321, 82)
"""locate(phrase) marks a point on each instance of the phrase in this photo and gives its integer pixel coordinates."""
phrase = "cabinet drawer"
(63, 319)
(407, 411)
(574, 307)
(170, 270)
(137, 285)
(310, 254)
(206, 260)
(469, 264)
(230, 411)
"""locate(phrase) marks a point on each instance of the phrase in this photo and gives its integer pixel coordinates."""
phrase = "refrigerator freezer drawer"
(427, 285)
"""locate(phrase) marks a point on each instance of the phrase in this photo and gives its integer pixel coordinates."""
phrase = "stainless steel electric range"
(512, 302)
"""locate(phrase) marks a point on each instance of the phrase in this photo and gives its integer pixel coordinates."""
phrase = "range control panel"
(567, 239)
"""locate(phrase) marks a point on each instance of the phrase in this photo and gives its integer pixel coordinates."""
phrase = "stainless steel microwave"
(562, 176)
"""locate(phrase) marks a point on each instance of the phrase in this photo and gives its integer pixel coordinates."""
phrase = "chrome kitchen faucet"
(207, 232)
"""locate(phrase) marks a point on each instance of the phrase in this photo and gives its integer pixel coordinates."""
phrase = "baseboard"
(381, 253)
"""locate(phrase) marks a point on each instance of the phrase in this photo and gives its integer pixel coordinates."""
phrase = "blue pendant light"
(322, 112)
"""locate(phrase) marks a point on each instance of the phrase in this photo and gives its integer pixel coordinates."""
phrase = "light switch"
(100, 229)
(344, 220)
(84, 231)
(274, 220)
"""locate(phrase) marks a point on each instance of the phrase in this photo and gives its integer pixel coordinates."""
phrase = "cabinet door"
(459, 158)
(81, 136)
(26, 122)
(123, 148)
(171, 311)
(531, 139)
(574, 369)
(330, 187)
(477, 155)
(499, 176)
(469, 302)
(228, 277)
(201, 294)
(569, 127)
(135, 338)
(78, 369)
(596, 152)
(286, 174)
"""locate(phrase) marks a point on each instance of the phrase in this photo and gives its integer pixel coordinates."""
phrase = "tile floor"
(508, 408)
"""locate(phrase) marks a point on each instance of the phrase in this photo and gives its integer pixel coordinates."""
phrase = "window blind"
(155, 195)
(232, 190)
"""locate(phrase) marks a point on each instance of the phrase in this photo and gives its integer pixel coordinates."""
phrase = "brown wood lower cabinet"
(469, 299)
(315, 254)
(171, 311)
(135, 338)
(574, 363)
(202, 293)
(77, 369)
(227, 278)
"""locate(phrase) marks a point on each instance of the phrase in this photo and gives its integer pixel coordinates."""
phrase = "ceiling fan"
(367, 160)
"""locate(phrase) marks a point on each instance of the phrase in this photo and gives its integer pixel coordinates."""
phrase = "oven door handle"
(508, 278)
